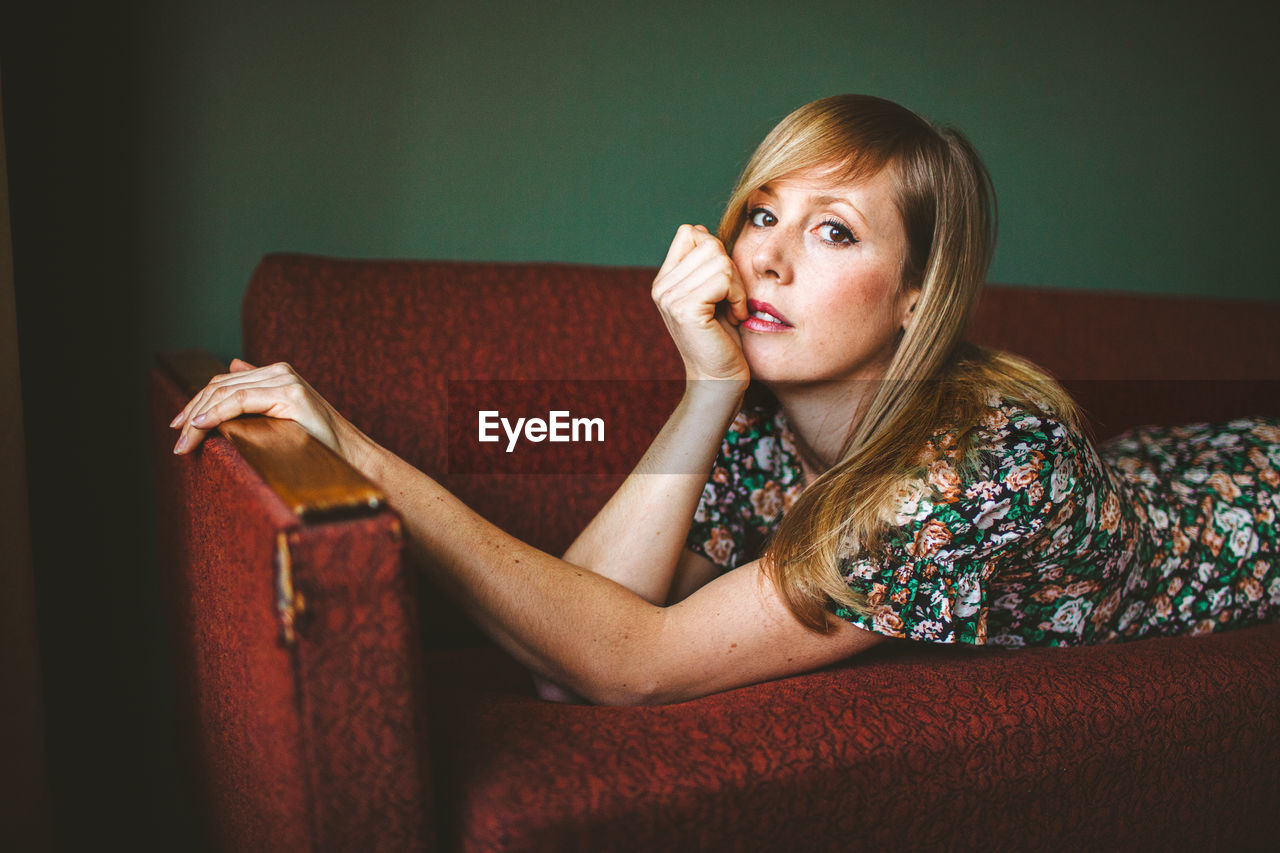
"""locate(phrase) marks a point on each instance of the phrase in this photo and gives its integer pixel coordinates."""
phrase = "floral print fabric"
(1160, 530)
(756, 478)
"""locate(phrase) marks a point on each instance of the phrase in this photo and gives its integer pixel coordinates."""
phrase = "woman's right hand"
(702, 300)
(276, 391)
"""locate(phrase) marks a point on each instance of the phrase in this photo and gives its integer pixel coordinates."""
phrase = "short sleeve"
(755, 478)
(717, 531)
(930, 579)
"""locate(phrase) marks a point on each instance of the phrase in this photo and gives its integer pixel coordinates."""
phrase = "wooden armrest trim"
(309, 477)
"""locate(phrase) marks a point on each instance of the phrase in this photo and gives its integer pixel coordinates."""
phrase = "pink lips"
(756, 323)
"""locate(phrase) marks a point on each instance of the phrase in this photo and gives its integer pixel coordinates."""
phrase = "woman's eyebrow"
(822, 200)
(835, 199)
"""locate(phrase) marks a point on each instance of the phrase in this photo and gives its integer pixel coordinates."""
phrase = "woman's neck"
(821, 416)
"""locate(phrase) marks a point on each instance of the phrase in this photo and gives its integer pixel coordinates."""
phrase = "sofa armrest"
(293, 634)
(311, 479)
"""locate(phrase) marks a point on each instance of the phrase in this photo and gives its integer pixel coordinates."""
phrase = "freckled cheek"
(837, 339)
(847, 302)
(847, 316)
(869, 300)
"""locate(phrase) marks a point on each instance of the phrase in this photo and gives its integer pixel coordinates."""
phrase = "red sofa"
(333, 701)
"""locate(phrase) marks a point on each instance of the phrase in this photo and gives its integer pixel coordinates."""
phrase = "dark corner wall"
(157, 150)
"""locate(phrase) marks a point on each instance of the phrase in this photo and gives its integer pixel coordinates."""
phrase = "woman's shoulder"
(1006, 434)
(989, 482)
(1011, 429)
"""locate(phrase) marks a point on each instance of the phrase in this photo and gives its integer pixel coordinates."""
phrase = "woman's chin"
(771, 374)
(765, 360)
(778, 368)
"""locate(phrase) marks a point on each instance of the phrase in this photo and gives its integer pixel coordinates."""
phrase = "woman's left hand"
(276, 391)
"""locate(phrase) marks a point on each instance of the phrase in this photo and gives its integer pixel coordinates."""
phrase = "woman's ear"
(910, 299)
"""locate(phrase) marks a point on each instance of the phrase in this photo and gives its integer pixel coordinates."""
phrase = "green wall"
(1126, 146)
(157, 150)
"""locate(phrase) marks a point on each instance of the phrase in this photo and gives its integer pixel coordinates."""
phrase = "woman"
(872, 475)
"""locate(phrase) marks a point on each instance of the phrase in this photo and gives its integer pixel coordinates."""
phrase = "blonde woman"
(872, 475)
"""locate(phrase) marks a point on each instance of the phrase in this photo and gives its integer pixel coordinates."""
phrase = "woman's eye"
(834, 232)
(761, 218)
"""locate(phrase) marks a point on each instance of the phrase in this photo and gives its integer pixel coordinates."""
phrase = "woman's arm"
(588, 632)
(637, 538)
(570, 625)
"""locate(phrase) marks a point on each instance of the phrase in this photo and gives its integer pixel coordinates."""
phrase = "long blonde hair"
(934, 378)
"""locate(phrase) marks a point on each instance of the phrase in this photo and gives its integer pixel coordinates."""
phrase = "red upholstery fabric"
(1130, 359)
(1134, 747)
(1151, 744)
(1093, 335)
(317, 746)
(436, 321)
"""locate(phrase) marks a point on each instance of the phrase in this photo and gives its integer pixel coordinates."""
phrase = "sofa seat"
(910, 747)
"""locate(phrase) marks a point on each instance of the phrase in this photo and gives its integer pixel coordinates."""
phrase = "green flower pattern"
(1161, 530)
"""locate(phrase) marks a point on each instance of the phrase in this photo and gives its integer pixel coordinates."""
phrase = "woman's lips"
(764, 318)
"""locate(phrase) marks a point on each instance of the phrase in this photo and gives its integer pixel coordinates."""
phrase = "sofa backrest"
(1132, 359)
(381, 339)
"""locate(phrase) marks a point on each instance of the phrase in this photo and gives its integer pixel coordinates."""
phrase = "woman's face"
(822, 262)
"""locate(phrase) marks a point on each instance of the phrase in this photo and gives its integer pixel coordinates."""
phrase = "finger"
(229, 401)
(232, 404)
(737, 299)
(709, 250)
(264, 396)
(680, 246)
(239, 364)
(702, 297)
(241, 376)
(702, 235)
(188, 440)
(181, 418)
(183, 415)
(218, 388)
(701, 267)
(189, 436)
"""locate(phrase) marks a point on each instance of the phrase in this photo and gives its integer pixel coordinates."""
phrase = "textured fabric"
(755, 479)
(317, 746)
(1130, 359)
(237, 697)
(1132, 746)
(1090, 335)
(361, 690)
(1169, 530)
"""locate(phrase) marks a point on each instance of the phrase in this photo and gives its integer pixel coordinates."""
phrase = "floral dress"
(1161, 530)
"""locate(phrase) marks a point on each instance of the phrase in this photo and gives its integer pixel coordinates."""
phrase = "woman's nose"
(770, 259)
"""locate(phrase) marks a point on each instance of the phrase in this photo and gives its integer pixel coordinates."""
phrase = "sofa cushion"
(909, 747)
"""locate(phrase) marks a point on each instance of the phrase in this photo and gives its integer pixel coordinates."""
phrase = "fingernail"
(201, 418)
(181, 445)
(173, 424)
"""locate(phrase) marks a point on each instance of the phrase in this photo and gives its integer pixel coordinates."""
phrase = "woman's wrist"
(717, 393)
(359, 451)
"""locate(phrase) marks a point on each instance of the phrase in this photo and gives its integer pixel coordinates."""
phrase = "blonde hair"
(934, 378)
